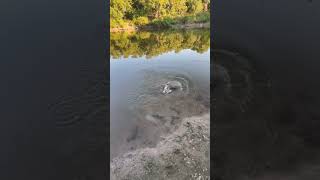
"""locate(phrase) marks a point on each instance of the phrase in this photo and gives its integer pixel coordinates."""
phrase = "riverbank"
(183, 154)
(200, 20)
(124, 29)
(153, 28)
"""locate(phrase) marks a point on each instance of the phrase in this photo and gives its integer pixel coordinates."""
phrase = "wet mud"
(183, 154)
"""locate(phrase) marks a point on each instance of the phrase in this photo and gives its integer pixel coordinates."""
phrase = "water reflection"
(158, 79)
(151, 44)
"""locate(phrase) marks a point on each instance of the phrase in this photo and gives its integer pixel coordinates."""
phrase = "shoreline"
(183, 154)
(153, 28)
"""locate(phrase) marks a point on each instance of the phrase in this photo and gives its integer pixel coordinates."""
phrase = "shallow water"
(140, 110)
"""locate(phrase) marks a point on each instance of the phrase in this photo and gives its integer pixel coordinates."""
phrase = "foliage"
(168, 22)
(118, 8)
(140, 12)
(139, 21)
(163, 23)
(194, 6)
(202, 17)
(177, 8)
(151, 44)
(187, 19)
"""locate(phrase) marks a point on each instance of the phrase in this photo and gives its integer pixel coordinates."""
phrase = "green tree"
(194, 6)
(118, 10)
(140, 12)
(177, 8)
(155, 8)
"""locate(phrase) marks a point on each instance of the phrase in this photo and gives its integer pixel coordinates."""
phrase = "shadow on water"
(266, 90)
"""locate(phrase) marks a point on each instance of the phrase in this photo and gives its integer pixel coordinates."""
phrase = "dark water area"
(53, 93)
(266, 96)
(156, 79)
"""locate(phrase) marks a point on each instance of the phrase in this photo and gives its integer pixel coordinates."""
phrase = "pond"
(156, 80)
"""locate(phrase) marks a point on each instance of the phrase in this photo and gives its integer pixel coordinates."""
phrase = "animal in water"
(171, 86)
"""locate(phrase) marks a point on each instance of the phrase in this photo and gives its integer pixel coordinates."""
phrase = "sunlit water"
(141, 109)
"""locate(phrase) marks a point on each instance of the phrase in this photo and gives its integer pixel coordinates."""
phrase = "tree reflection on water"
(150, 44)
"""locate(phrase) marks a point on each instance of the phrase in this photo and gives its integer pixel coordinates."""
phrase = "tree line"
(143, 11)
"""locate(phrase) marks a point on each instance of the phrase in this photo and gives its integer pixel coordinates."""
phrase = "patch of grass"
(202, 17)
(163, 23)
(198, 18)
(187, 19)
(168, 22)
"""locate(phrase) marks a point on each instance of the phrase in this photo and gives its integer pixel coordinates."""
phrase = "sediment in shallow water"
(184, 154)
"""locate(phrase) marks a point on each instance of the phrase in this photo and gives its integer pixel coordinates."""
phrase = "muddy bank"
(191, 26)
(183, 154)
(154, 28)
(125, 29)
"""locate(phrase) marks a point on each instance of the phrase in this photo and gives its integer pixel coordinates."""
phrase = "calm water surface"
(140, 67)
